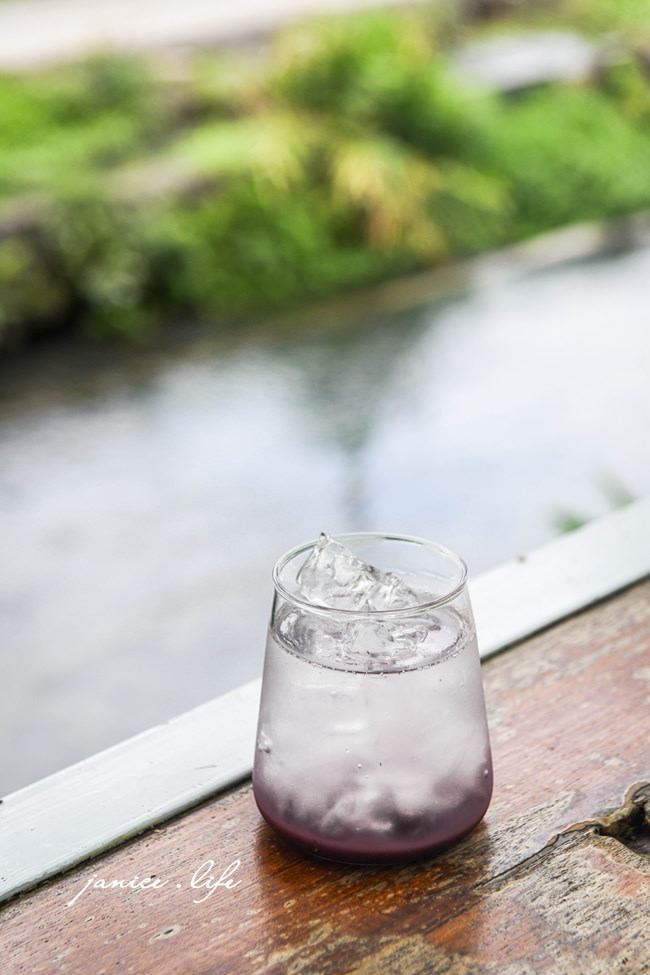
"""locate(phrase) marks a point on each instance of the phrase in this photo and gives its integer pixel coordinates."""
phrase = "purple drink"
(372, 742)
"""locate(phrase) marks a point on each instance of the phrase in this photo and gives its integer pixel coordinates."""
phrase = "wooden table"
(555, 880)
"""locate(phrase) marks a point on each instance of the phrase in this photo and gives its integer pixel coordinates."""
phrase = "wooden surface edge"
(550, 882)
(85, 809)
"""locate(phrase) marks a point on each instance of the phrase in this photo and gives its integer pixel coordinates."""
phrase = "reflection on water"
(145, 497)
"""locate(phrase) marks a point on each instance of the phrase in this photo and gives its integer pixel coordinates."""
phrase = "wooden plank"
(539, 887)
(83, 810)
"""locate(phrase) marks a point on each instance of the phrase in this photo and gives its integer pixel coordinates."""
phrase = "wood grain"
(539, 886)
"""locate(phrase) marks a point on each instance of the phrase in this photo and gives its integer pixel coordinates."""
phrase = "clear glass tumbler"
(372, 743)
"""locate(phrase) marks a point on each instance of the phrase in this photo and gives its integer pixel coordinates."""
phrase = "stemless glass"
(372, 743)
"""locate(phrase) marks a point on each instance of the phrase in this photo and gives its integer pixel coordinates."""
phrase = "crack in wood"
(568, 838)
(629, 824)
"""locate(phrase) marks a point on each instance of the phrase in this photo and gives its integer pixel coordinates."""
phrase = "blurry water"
(145, 497)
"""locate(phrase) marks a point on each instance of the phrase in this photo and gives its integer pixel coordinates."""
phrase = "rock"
(516, 62)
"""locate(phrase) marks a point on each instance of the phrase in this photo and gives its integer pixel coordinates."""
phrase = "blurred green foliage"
(70, 121)
(630, 18)
(566, 155)
(378, 72)
(349, 155)
(615, 494)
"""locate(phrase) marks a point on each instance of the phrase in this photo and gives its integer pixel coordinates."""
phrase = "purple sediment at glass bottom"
(410, 838)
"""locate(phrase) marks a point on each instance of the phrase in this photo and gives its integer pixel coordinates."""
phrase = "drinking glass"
(372, 743)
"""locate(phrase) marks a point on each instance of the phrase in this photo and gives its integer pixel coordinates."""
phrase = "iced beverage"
(372, 742)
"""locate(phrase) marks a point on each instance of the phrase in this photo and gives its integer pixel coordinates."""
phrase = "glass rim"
(322, 609)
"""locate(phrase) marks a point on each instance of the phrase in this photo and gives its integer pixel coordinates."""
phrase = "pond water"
(145, 496)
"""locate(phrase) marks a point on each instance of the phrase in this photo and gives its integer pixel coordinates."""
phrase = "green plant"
(630, 18)
(567, 154)
(350, 156)
(378, 71)
(87, 117)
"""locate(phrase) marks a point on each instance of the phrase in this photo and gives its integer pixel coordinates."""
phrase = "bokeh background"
(266, 274)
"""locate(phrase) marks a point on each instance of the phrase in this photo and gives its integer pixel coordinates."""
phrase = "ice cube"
(388, 647)
(333, 576)
(358, 806)
(305, 634)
